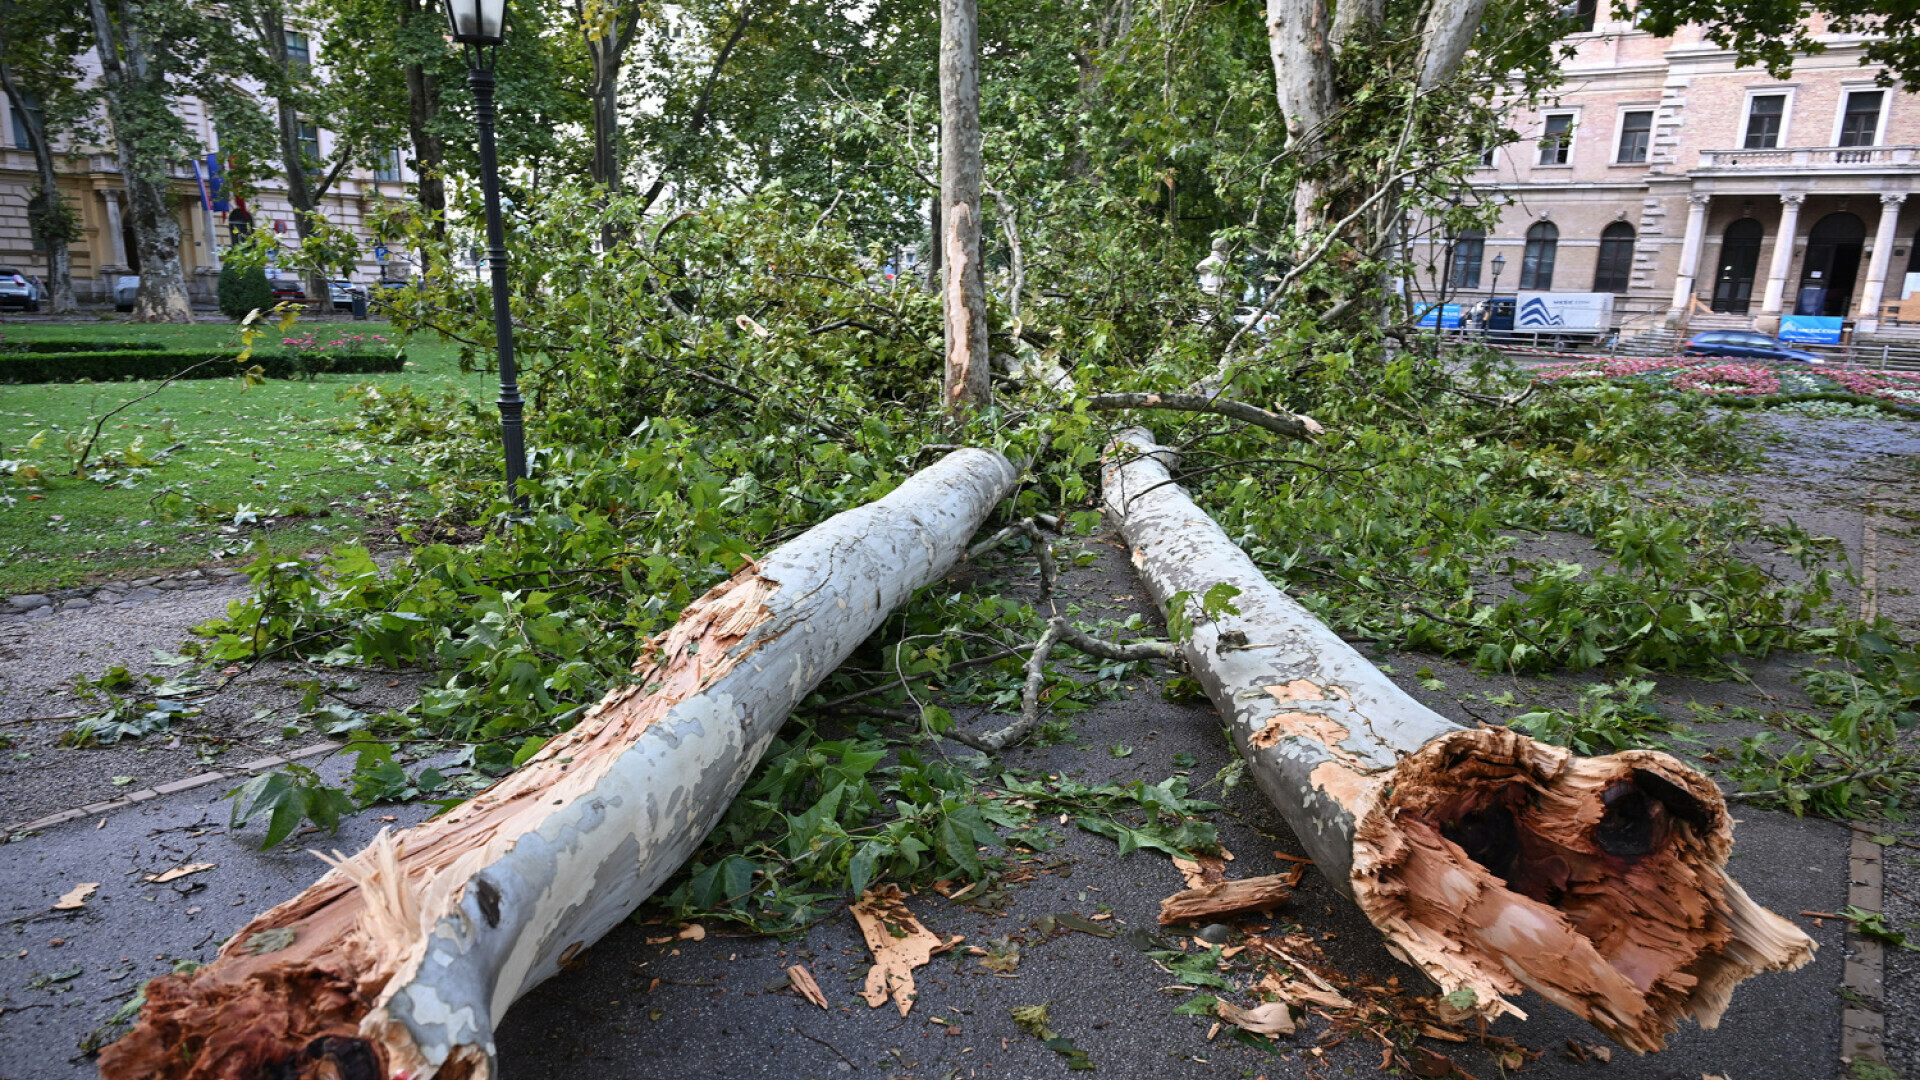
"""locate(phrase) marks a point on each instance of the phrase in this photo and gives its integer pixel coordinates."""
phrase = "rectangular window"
(299, 54)
(1556, 144)
(1765, 113)
(309, 138)
(1468, 250)
(388, 167)
(1860, 123)
(1582, 13)
(1636, 134)
(20, 128)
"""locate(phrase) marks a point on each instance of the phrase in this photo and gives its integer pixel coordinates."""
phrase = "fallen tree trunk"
(1490, 861)
(401, 959)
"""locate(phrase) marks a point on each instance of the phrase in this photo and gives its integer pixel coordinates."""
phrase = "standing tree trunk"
(609, 31)
(423, 109)
(1303, 81)
(964, 287)
(51, 219)
(137, 101)
(1492, 862)
(402, 959)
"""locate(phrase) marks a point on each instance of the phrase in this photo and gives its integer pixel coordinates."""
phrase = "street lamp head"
(480, 23)
(1499, 264)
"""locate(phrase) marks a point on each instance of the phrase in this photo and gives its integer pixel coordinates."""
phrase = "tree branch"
(1290, 425)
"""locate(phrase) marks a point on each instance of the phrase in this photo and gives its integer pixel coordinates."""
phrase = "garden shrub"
(70, 345)
(168, 363)
(243, 290)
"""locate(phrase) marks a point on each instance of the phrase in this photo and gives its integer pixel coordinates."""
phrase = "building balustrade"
(1810, 157)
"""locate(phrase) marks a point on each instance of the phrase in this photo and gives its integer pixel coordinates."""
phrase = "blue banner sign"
(1441, 316)
(1811, 329)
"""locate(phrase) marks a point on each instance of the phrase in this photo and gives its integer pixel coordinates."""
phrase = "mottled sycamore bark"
(1492, 862)
(402, 959)
(964, 282)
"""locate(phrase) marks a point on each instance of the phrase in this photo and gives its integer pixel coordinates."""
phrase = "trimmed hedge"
(166, 363)
(70, 346)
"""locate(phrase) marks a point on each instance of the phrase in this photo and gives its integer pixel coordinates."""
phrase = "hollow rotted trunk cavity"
(1598, 883)
(1494, 863)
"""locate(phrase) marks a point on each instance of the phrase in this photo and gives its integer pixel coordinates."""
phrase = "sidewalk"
(718, 1007)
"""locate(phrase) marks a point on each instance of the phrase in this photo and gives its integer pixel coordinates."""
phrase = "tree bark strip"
(1492, 862)
(402, 958)
(1224, 898)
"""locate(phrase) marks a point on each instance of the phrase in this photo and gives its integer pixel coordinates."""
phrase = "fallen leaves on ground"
(76, 898)
(1272, 1018)
(177, 873)
(802, 982)
(1202, 870)
(1002, 956)
(899, 944)
(1032, 1019)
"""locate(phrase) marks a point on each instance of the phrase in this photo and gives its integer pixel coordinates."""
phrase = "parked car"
(1747, 345)
(341, 292)
(18, 291)
(126, 288)
(288, 288)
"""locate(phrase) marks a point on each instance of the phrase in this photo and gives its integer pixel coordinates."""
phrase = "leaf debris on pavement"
(76, 898)
(899, 944)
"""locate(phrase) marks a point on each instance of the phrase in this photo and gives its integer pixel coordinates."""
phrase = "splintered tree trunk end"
(1492, 862)
(402, 958)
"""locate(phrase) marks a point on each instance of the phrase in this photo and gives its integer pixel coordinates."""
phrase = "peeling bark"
(1492, 862)
(967, 382)
(402, 958)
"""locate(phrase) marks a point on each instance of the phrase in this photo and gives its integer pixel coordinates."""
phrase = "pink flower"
(1736, 380)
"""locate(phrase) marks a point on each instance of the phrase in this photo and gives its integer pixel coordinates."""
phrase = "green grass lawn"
(199, 469)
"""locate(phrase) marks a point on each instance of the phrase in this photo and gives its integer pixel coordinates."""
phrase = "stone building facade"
(91, 183)
(1685, 184)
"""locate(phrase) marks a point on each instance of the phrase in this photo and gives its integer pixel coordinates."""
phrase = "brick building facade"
(1667, 174)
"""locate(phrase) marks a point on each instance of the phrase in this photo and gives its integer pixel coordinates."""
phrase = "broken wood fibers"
(1222, 898)
(401, 959)
(1492, 862)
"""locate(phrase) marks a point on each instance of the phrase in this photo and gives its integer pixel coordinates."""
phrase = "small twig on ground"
(1028, 527)
(1059, 629)
(828, 1045)
(848, 699)
(1866, 774)
(80, 463)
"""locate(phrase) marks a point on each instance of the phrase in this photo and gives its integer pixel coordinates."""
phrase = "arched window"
(1536, 269)
(1615, 267)
(1468, 249)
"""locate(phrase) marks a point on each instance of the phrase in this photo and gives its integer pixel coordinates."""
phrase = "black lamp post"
(1499, 264)
(480, 26)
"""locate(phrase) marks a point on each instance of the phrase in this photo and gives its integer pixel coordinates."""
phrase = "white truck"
(1567, 318)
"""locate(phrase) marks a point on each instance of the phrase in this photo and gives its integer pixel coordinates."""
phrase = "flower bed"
(1746, 383)
(1742, 380)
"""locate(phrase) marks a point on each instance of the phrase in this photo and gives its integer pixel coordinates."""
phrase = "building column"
(1883, 242)
(1690, 251)
(1782, 262)
(116, 239)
